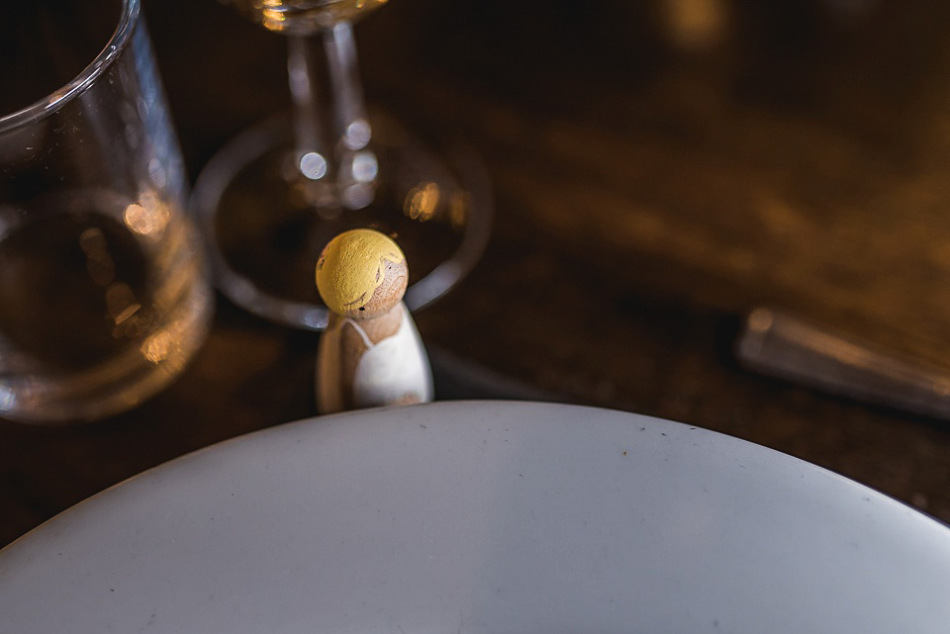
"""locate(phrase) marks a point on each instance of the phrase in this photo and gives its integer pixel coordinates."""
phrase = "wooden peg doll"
(370, 353)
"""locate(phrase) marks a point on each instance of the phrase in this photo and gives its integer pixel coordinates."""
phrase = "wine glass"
(271, 198)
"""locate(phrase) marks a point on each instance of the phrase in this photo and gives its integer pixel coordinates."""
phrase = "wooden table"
(657, 173)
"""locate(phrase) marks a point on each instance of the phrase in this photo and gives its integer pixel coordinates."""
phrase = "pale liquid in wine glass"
(301, 15)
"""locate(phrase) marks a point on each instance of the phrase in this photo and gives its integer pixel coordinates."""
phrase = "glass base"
(265, 224)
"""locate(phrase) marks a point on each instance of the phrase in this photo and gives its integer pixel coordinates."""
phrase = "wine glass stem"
(330, 120)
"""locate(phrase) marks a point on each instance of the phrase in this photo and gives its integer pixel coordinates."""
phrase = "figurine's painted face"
(361, 274)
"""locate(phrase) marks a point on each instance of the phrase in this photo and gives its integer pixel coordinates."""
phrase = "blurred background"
(660, 167)
(791, 152)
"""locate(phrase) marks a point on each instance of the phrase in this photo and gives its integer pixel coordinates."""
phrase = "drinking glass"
(270, 200)
(103, 295)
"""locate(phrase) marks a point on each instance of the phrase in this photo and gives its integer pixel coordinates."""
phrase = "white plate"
(482, 517)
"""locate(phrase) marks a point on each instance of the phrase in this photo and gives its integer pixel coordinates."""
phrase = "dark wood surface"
(656, 175)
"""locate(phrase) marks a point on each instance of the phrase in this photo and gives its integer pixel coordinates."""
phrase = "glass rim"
(81, 82)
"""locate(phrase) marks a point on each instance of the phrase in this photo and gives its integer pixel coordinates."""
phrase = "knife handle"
(784, 346)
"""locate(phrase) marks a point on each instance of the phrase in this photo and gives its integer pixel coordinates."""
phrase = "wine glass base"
(265, 226)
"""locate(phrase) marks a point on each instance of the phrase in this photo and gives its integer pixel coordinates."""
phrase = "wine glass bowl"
(302, 16)
(271, 198)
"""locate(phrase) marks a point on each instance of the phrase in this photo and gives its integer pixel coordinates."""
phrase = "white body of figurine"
(371, 353)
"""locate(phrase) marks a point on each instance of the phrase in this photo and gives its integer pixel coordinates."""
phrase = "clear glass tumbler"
(103, 295)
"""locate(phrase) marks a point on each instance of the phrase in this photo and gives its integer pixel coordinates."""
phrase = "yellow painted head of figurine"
(361, 273)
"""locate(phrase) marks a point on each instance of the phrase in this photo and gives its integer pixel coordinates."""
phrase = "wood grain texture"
(647, 195)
